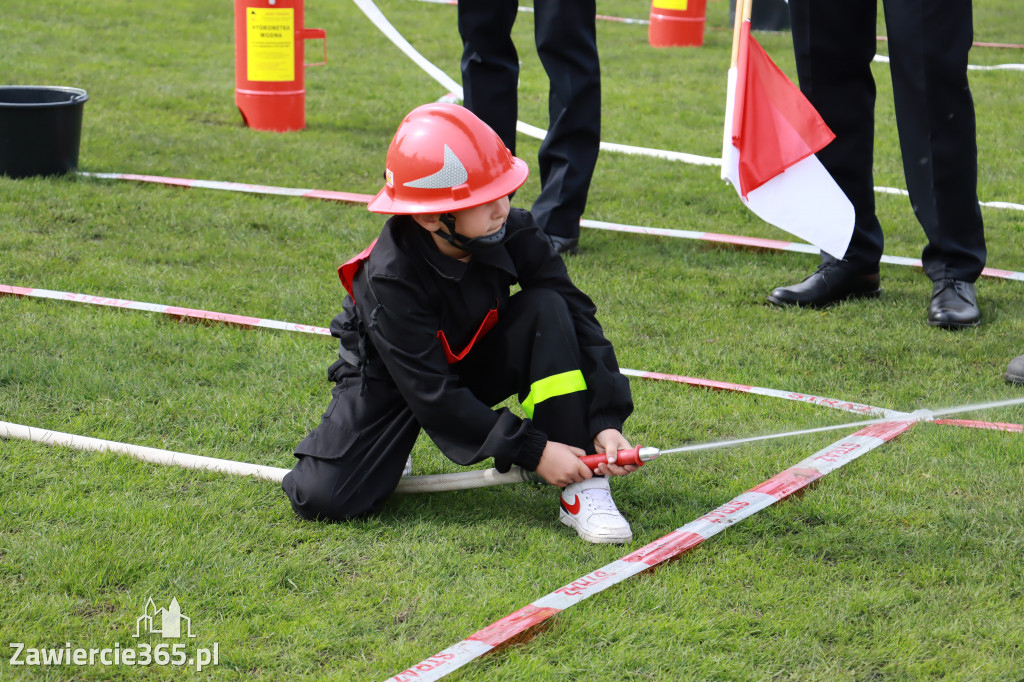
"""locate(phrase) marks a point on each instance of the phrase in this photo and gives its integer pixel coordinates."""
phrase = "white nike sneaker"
(588, 507)
(407, 471)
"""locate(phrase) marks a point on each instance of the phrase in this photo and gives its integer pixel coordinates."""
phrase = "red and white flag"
(768, 152)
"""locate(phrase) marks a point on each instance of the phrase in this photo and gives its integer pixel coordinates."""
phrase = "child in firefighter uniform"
(431, 337)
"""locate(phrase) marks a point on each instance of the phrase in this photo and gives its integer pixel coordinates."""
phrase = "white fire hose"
(440, 482)
(410, 484)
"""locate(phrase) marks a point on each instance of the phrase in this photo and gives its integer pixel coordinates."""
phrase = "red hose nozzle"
(636, 456)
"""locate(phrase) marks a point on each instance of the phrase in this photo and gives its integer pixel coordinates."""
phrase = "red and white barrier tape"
(844, 405)
(975, 424)
(772, 244)
(248, 322)
(883, 59)
(987, 204)
(667, 547)
(352, 198)
(1015, 46)
(347, 197)
(172, 311)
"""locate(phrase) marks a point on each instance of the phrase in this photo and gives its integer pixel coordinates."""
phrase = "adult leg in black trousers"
(928, 47)
(490, 64)
(566, 37)
(834, 43)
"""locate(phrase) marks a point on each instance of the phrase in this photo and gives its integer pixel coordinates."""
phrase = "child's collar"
(454, 268)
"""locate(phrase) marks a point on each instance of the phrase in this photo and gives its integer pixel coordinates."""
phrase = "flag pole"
(742, 14)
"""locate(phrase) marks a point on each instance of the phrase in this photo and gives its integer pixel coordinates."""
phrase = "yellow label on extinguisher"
(677, 5)
(270, 44)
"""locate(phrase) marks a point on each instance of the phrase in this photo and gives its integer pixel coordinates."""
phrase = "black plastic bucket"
(40, 129)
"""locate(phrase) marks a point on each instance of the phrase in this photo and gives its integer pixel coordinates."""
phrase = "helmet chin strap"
(487, 241)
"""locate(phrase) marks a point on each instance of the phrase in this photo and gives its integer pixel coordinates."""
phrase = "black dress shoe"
(954, 305)
(830, 283)
(1015, 372)
(564, 245)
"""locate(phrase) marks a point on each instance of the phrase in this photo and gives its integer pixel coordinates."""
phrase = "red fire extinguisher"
(270, 82)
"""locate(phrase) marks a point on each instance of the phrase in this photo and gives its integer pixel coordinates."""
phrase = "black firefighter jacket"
(416, 310)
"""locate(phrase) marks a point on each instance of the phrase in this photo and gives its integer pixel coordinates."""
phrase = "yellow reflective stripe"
(553, 386)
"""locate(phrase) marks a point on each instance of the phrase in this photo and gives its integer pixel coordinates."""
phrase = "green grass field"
(906, 564)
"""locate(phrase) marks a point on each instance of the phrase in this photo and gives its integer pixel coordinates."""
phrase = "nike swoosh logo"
(573, 508)
(452, 174)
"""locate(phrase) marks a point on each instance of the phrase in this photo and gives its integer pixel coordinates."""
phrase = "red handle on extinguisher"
(625, 457)
(313, 34)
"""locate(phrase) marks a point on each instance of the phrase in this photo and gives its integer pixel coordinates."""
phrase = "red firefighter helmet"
(443, 158)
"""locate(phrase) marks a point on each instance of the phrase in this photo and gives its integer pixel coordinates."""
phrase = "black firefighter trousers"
(352, 462)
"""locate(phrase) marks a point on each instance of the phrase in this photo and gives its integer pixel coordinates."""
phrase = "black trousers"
(928, 43)
(353, 460)
(566, 37)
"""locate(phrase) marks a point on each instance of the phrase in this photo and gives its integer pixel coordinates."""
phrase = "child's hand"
(610, 441)
(560, 464)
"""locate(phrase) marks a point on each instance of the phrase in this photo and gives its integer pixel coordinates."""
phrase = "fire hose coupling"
(637, 456)
(529, 476)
